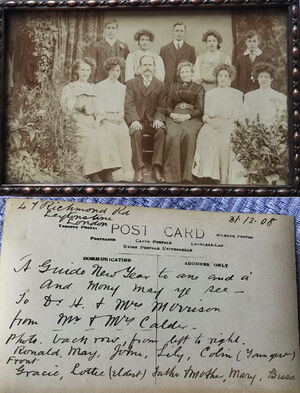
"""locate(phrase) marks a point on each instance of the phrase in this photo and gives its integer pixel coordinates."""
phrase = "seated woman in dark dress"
(184, 110)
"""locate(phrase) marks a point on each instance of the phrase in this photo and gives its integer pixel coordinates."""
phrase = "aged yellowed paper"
(103, 298)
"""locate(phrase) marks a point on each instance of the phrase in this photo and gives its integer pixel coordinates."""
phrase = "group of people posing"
(186, 103)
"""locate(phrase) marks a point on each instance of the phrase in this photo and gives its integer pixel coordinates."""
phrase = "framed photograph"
(150, 98)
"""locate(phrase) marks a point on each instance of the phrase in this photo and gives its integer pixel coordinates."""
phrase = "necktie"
(147, 82)
(178, 46)
(252, 58)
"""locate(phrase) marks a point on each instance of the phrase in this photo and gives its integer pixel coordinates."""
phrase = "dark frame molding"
(164, 190)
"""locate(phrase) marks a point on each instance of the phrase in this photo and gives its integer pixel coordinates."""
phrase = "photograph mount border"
(137, 189)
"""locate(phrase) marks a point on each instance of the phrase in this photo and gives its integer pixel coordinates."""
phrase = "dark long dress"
(180, 143)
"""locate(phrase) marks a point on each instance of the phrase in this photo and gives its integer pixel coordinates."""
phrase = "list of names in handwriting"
(119, 297)
(135, 317)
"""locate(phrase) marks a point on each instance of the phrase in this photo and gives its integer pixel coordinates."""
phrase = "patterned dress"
(79, 99)
(205, 66)
(180, 142)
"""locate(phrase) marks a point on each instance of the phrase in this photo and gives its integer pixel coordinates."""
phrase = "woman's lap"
(212, 153)
(180, 146)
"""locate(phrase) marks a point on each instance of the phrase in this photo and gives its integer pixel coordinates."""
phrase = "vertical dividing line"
(3, 86)
(156, 316)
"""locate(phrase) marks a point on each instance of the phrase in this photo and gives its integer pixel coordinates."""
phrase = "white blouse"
(205, 65)
(264, 104)
(224, 102)
(72, 91)
(110, 96)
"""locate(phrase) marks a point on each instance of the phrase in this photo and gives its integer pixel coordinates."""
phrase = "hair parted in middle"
(227, 67)
(87, 60)
(182, 64)
(214, 33)
(144, 32)
(112, 62)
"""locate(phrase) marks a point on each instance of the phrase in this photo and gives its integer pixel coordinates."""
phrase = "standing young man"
(246, 61)
(109, 46)
(175, 52)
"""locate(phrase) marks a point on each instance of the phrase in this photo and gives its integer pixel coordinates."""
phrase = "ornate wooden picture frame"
(140, 98)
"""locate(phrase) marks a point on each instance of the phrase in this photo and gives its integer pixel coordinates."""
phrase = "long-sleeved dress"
(214, 157)
(269, 107)
(133, 65)
(110, 100)
(204, 68)
(79, 99)
(264, 104)
(180, 142)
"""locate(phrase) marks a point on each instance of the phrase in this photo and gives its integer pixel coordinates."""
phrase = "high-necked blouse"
(110, 96)
(78, 95)
(189, 93)
(206, 63)
(264, 104)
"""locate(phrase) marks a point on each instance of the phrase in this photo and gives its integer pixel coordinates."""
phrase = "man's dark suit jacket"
(145, 103)
(103, 51)
(244, 69)
(172, 57)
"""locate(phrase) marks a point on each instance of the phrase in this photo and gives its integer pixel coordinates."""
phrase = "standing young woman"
(207, 62)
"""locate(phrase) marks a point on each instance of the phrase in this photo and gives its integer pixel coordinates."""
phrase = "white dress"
(79, 100)
(265, 105)
(269, 107)
(110, 100)
(133, 65)
(205, 65)
(214, 157)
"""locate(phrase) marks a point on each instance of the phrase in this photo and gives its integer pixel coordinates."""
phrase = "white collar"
(175, 42)
(147, 79)
(110, 42)
(257, 52)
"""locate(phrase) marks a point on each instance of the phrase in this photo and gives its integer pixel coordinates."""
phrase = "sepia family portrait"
(147, 96)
